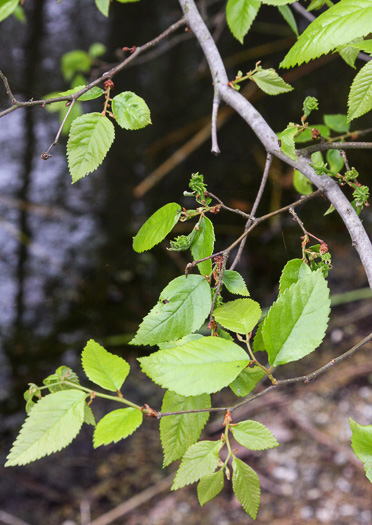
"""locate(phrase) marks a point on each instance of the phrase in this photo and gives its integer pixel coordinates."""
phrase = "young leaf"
(96, 50)
(235, 283)
(157, 227)
(89, 418)
(7, 7)
(287, 143)
(103, 6)
(62, 373)
(51, 425)
(203, 366)
(297, 321)
(337, 122)
(199, 460)
(361, 441)
(180, 342)
(258, 342)
(239, 316)
(107, 370)
(246, 487)
(182, 308)
(277, 2)
(116, 425)
(270, 82)
(360, 96)
(254, 435)
(240, 15)
(363, 45)
(246, 381)
(287, 14)
(349, 55)
(93, 93)
(337, 26)
(210, 486)
(202, 245)
(335, 160)
(293, 271)
(178, 433)
(127, 1)
(307, 134)
(302, 183)
(76, 61)
(91, 136)
(131, 111)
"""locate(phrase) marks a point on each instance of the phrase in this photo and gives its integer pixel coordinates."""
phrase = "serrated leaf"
(180, 342)
(178, 433)
(90, 138)
(240, 15)
(287, 142)
(117, 425)
(157, 227)
(131, 111)
(254, 435)
(360, 96)
(363, 45)
(349, 55)
(199, 460)
(103, 6)
(361, 441)
(287, 14)
(270, 82)
(203, 244)
(210, 486)
(93, 93)
(89, 418)
(62, 373)
(107, 370)
(337, 122)
(7, 7)
(293, 271)
(297, 321)
(246, 381)
(235, 283)
(337, 26)
(258, 342)
(335, 160)
(239, 316)
(182, 309)
(246, 487)
(302, 183)
(51, 425)
(203, 366)
(75, 112)
(306, 135)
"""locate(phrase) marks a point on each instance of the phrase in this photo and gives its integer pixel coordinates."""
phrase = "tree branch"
(334, 145)
(269, 139)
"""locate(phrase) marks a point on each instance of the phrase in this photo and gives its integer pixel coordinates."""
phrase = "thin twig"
(334, 145)
(219, 284)
(283, 382)
(224, 207)
(269, 159)
(216, 103)
(7, 88)
(45, 155)
(108, 74)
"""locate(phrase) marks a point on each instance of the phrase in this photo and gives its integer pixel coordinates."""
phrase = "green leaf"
(97, 50)
(361, 441)
(62, 373)
(127, 1)
(235, 283)
(178, 433)
(157, 227)
(203, 244)
(91, 136)
(103, 6)
(107, 370)
(76, 61)
(337, 122)
(180, 342)
(246, 381)
(239, 316)
(240, 15)
(51, 425)
(210, 486)
(349, 55)
(131, 111)
(293, 271)
(302, 183)
(360, 96)
(337, 26)
(253, 435)
(287, 143)
(200, 460)
(363, 45)
(277, 2)
(89, 418)
(31, 392)
(203, 366)
(287, 14)
(258, 342)
(270, 82)
(306, 135)
(19, 14)
(74, 113)
(182, 309)
(93, 93)
(297, 321)
(116, 425)
(246, 487)
(7, 7)
(335, 160)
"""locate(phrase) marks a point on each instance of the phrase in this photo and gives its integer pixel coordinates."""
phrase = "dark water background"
(67, 269)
